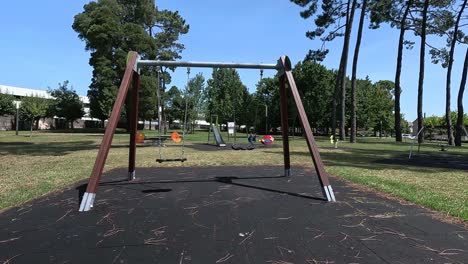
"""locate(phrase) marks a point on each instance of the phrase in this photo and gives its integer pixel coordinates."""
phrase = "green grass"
(49, 161)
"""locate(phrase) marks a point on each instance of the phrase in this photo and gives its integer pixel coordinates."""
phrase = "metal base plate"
(87, 202)
(131, 176)
(329, 193)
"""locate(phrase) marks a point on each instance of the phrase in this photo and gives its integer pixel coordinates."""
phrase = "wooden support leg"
(90, 194)
(133, 126)
(287, 76)
(319, 168)
(285, 125)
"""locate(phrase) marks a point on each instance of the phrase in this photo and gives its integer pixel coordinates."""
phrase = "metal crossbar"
(203, 64)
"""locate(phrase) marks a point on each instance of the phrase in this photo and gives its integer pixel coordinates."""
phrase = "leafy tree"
(243, 112)
(344, 57)
(446, 57)
(365, 108)
(397, 13)
(147, 106)
(383, 101)
(67, 103)
(401, 14)
(267, 98)
(332, 13)
(174, 105)
(374, 105)
(353, 77)
(194, 99)
(453, 41)
(433, 121)
(316, 85)
(405, 125)
(33, 108)
(422, 55)
(7, 106)
(225, 95)
(460, 118)
(401, 42)
(251, 113)
(111, 28)
(439, 21)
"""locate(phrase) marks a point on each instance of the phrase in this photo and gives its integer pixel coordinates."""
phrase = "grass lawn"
(49, 161)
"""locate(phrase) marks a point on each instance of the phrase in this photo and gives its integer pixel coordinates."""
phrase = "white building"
(6, 123)
(45, 123)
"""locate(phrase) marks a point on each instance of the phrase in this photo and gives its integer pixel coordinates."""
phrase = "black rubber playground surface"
(225, 215)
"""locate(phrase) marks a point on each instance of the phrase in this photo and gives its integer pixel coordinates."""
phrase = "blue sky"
(40, 49)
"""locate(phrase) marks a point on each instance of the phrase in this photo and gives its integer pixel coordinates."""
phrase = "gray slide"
(218, 137)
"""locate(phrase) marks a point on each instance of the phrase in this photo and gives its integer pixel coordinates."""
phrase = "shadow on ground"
(45, 148)
(385, 159)
(211, 147)
(57, 148)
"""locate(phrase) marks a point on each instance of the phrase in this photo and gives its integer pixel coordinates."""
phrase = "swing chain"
(185, 115)
(159, 109)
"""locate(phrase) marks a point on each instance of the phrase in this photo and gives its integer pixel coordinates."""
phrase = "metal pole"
(266, 119)
(284, 124)
(202, 64)
(158, 94)
(17, 117)
(133, 125)
(209, 129)
(380, 132)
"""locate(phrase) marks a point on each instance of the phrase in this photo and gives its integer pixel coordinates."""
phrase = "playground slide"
(218, 137)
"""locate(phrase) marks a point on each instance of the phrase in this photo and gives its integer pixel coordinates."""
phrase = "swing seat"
(171, 160)
(250, 146)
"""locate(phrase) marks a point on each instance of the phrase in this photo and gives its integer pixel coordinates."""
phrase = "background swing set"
(131, 78)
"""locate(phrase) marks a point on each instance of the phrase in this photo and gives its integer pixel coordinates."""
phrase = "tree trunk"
(448, 120)
(421, 71)
(32, 124)
(458, 141)
(335, 99)
(398, 135)
(71, 124)
(349, 26)
(353, 78)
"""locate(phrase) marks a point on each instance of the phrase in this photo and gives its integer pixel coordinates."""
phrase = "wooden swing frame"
(131, 78)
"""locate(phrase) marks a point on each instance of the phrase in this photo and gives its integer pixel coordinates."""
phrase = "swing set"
(131, 79)
(175, 136)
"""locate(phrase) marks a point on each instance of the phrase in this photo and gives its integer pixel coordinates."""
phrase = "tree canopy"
(7, 106)
(67, 103)
(316, 86)
(33, 108)
(225, 96)
(112, 28)
(194, 98)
